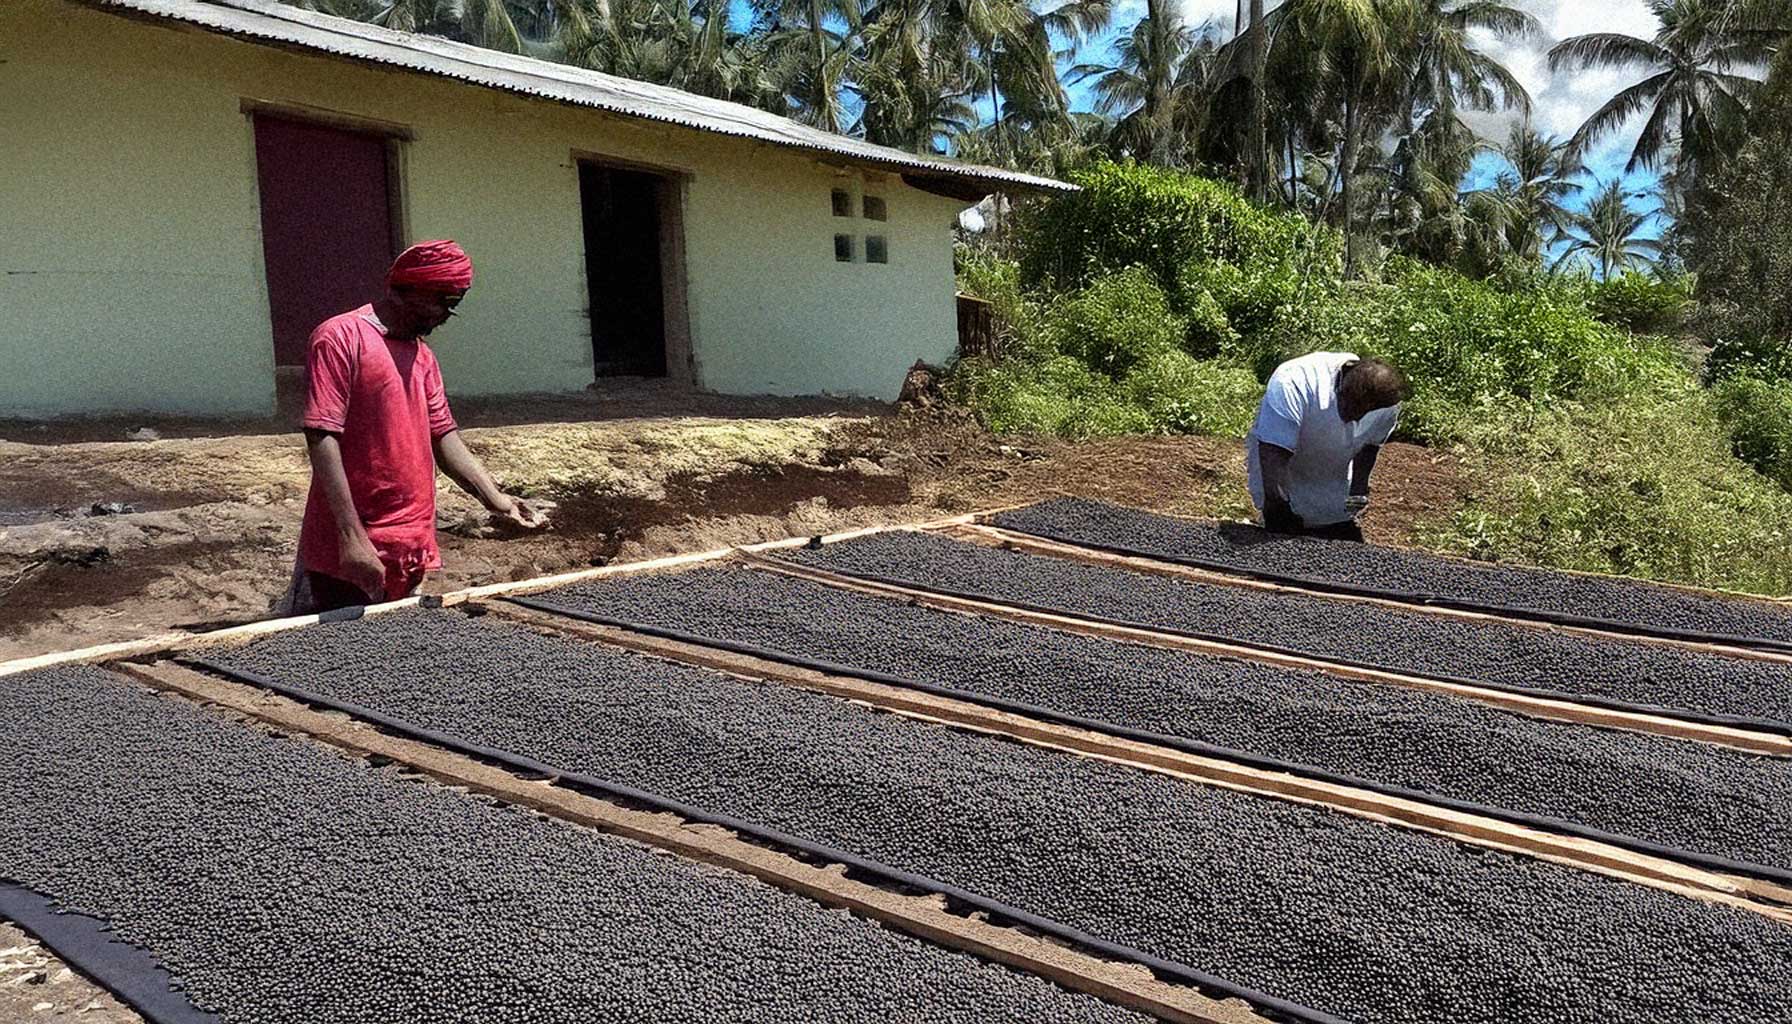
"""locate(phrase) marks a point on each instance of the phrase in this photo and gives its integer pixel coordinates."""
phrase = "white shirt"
(1300, 413)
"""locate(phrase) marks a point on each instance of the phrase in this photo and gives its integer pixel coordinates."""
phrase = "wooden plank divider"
(170, 642)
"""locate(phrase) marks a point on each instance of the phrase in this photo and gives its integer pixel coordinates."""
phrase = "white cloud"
(1563, 100)
(1220, 12)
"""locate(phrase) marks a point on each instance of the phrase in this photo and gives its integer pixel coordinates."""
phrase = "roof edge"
(270, 23)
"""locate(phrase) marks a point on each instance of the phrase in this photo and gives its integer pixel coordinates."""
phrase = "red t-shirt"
(384, 400)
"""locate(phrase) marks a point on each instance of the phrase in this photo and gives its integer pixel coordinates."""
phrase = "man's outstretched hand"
(514, 511)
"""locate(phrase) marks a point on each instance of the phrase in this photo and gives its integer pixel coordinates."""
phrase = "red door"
(326, 225)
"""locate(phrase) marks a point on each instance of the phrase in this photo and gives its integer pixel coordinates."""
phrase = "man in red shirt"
(376, 426)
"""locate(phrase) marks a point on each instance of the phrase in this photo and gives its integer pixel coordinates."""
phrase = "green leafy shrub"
(1184, 395)
(1640, 302)
(1209, 331)
(1060, 396)
(1639, 488)
(987, 275)
(1758, 418)
(1119, 321)
(1131, 215)
(1251, 297)
(1743, 354)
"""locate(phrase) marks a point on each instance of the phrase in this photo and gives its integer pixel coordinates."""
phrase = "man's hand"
(518, 512)
(1278, 515)
(358, 562)
(360, 565)
(465, 469)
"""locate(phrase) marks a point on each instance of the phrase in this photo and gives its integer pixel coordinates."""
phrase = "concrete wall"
(131, 273)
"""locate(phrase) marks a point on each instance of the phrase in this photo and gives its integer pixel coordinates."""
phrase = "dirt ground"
(206, 514)
(35, 986)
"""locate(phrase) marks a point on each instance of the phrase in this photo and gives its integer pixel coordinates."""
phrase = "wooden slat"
(184, 641)
(1748, 893)
(924, 917)
(1463, 560)
(1561, 710)
(995, 536)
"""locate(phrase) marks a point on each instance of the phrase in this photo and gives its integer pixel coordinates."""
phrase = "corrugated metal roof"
(275, 23)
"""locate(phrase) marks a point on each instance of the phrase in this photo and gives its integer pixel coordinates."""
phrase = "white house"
(188, 186)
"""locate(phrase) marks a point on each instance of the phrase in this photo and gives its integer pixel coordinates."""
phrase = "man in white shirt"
(1323, 420)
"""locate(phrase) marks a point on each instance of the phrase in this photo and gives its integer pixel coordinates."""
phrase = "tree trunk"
(1347, 171)
(995, 104)
(1293, 178)
(822, 99)
(1258, 157)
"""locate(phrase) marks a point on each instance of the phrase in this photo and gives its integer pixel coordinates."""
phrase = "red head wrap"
(432, 266)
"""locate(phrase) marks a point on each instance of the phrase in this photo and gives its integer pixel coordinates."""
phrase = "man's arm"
(465, 469)
(1360, 470)
(359, 562)
(1273, 461)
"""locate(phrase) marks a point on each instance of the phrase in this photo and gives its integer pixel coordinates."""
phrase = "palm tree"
(1694, 94)
(1608, 232)
(916, 75)
(484, 23)
(1424, 215)
(1257, 160)
(1359, 44)
(1537, 188)
(1447, 69)
(818, 38)
(1157, 84)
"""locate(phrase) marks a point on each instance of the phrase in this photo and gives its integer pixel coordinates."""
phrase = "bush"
(1129, 215)
(1209, 331)
(1737, 353)
(1639, 302)
(1118, 322)
(1758, 419)
(1184, 395)
(985, 274)
(1645, 489)
(1060, 396)
(1251, 297)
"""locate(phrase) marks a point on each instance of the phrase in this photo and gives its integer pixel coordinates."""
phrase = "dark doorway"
(327, 227)
(624, 250)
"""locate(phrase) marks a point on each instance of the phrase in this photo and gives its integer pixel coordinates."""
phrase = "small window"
(843, 248)
(877, 250)
(842, 203)
(874, 208)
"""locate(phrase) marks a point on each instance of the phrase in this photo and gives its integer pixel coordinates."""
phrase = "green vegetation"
(1158, 302)
(1644, 486)
(1641, 302)
(1757, 416)
(1152, 279)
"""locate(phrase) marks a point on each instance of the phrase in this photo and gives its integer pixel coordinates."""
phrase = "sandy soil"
(637, 472)
(35, 986)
